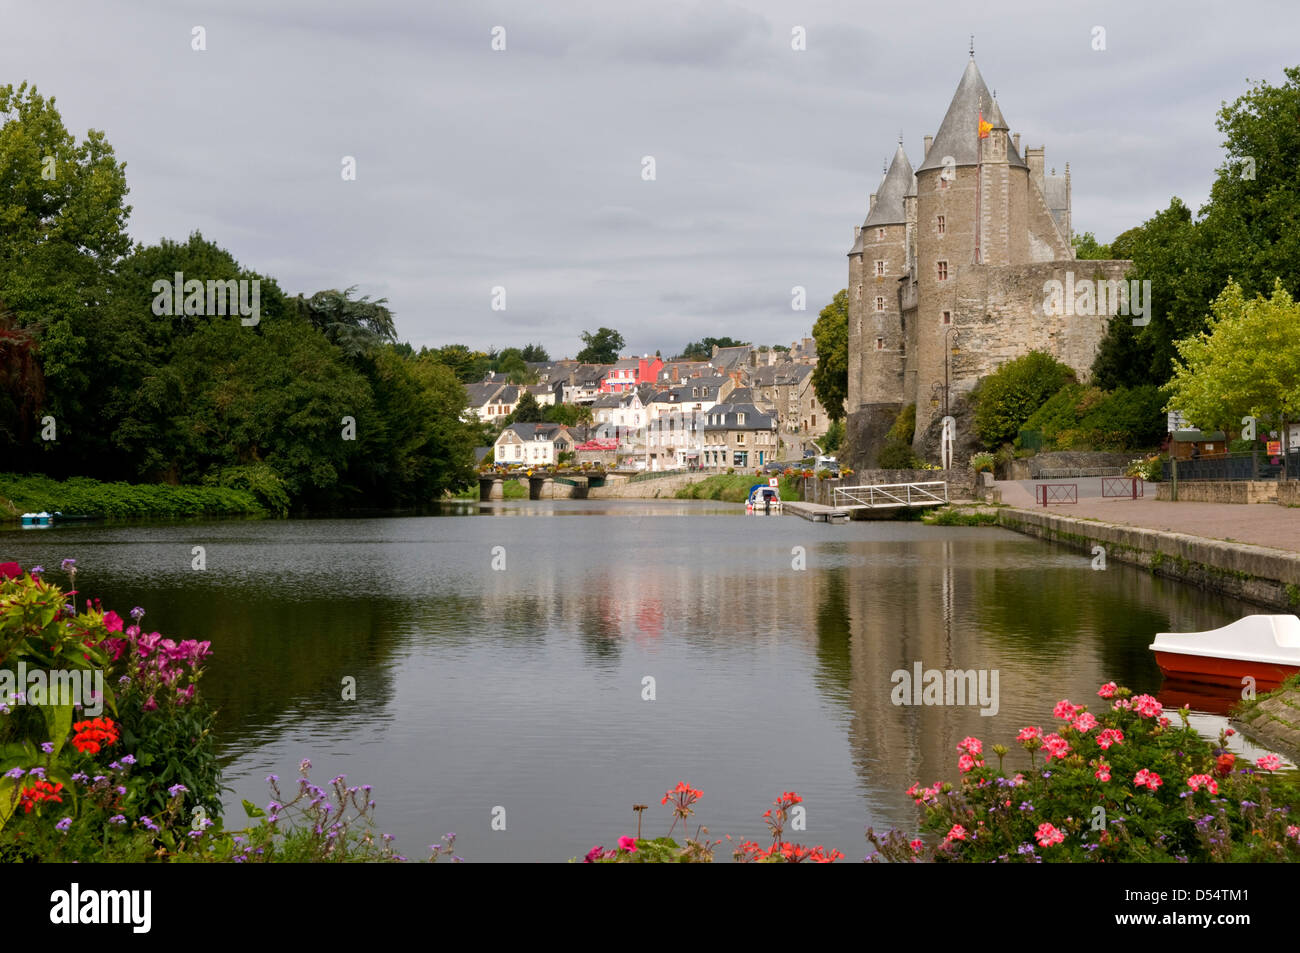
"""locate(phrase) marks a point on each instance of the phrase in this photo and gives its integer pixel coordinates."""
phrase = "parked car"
(775, 467)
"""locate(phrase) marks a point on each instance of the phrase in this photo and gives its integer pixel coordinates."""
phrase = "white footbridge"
(890, 495)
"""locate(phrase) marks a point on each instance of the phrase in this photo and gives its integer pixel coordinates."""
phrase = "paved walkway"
(1260, 524)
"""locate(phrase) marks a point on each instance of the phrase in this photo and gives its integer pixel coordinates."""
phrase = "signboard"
(773, 481)
(1178, 422)
(1274, 447)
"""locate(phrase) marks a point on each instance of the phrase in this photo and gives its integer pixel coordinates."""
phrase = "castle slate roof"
(1054, 194)
(889, 197)
(958, 134)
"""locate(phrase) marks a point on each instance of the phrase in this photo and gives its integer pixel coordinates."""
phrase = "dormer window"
(740, 420)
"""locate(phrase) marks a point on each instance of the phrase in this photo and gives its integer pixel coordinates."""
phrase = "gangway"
(885, 495)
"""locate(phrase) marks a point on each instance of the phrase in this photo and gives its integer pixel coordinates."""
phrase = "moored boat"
(1265, 648)
(763, 498)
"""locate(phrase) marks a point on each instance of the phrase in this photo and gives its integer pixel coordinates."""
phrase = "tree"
(62, 228)
(534, 353)
(831, 376)
(1009, 396)
(1246, 363)
(468, 365)
(702, 349)
(602, 347)
(354, 325)
(1087, 248)
(569, 415)
(527, 410)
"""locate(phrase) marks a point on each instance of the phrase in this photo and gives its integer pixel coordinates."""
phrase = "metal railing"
(1242, 465)
(1046, 493)
(891, 494)
(1123, 487)
(1075, 473)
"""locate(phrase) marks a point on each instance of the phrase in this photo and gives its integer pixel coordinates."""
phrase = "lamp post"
(947, 353)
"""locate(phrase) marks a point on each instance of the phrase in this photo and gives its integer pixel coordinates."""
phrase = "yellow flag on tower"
(985, 127)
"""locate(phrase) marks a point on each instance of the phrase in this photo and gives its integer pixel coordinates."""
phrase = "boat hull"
(1207, 670)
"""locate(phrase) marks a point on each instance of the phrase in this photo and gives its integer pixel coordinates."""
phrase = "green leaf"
(252, 810)
(58, 722)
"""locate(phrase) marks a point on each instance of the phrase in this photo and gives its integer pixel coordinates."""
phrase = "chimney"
(1034, 158)
(929, 141)
(857, 233)
(872, 206)
(1016, 140)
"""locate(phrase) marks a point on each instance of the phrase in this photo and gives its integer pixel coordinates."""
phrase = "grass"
(957, 516)
(83, 496)
(734, 488)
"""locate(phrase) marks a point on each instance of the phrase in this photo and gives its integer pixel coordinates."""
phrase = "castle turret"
(875, 325)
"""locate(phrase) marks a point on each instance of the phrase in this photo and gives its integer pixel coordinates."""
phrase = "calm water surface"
(522, 687)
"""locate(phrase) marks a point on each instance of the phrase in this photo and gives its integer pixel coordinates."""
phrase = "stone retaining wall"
(1288, 492)
(1267, 577)
(1221, 491)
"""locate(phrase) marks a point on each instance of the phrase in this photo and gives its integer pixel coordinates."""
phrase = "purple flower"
(81, 776)
(128, 759)
(15, 773)
(37, 773)
(272, 778)
(117, 819)
(64, 824)
(148, 824)
(47, 747)
(115, 765)
(137, 613)
(120, 789)
(176, 789)
(305, 765)
(68, 565)
(36, 570)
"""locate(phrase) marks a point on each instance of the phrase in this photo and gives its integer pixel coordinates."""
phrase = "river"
(501, 657)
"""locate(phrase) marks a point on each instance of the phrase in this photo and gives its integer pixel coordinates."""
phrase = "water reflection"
(522, 686)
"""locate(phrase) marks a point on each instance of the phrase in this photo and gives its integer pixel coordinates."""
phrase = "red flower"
(40, 791)
(10, 570)
(1223, 764)
(92, 735)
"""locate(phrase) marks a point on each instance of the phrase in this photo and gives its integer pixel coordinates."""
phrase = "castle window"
(880, 344)
(943, 271)
(947, 317)
(859, 292)
(880, 269)
(941, 225)
(880, 303)
(880, 234)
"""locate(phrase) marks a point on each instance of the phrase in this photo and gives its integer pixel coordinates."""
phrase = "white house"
(532, 445)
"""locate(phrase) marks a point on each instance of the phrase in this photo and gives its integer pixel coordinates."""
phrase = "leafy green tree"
(527, 410)
(534, 353)
(1246, 363)
(468, 365)
(570, 415)
(602, 346)
(1009, 396)
(356, 326)
(1086, 247)
(62, 227)
(831, 376)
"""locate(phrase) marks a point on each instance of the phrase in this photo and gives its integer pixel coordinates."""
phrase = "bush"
(896, 454)
(81, 495)
(1008, 397)
(1126, 784)
(1078, 417)
(982, 462)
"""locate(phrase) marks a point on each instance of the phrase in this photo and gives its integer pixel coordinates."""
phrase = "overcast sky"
(522, 168)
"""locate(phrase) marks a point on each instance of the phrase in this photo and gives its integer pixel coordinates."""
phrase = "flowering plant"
(1125, 783)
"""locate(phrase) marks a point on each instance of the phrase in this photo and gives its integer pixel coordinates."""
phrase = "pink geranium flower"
(957, 833)
(1056, 746)
(1064, 710)
(112, 621)
(1147, 779)
(1107, 690)
(972, 746)
(1108, 737)
(1270, 762)
(1047, 835)
(1103, 771)
(1198, 781)
(1084, 723)
(628, 844)
(1147, 706)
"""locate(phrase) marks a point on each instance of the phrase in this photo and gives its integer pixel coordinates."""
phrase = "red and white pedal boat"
(1263, 647)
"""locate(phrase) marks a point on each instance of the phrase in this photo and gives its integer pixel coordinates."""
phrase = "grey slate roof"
(889, 197)
(755, 419)
(1055, 196)
(958, 134)
(482, 392)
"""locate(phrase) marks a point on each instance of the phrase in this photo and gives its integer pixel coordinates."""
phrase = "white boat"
(1265, 648)
(763, 498)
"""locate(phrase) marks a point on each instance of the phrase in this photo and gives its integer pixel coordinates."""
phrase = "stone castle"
(947, 274)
